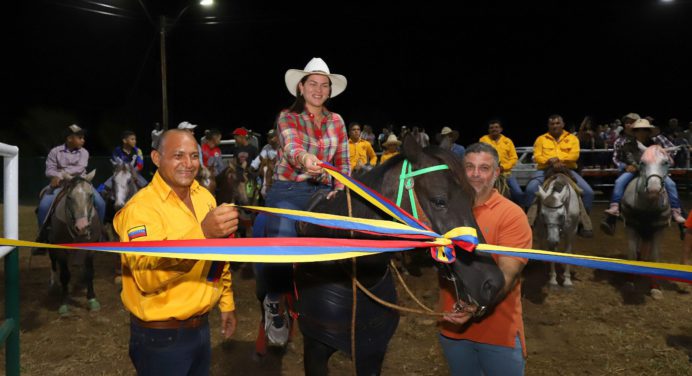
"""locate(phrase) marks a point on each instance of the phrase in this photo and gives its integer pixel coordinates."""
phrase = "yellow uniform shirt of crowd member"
(505, 149)
(158, 288)
(565, 148)
(361, 153)
(386, 155)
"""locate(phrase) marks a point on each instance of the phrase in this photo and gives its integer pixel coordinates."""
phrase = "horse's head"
(653, 168)
(554, 204)
(124, 184)
(266, 171)
(205, 178)
(238, 185)
(433, 181)
(79, 206)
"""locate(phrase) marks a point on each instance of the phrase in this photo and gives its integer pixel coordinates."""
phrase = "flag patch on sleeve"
(137, 232)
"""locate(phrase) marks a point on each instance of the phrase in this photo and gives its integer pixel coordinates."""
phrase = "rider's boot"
(614, 209)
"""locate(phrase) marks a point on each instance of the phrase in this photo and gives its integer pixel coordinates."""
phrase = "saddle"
(551, 174)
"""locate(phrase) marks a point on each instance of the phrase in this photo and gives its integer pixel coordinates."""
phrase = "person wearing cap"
(211, 153)
(451, 136)
(559, 150)
(360, 151)
(638, 135)
(169, 299)
(508, 157)
(391, 148)
(187, 126)
(309, 133)
(269, 151)
(68, 159)
(243, 151)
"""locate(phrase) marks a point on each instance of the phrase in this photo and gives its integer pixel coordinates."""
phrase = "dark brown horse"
(324, 289)
(237, 184)
(75, 220)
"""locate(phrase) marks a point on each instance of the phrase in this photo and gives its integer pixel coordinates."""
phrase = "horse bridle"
(406, 182)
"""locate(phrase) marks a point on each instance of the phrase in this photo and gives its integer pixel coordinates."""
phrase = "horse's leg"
(656, 292)
(552, 281)
(316, 356)
(92, 303)
(566, 274)
(64, 282)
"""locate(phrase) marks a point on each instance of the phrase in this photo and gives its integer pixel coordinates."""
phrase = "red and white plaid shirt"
(298, 134)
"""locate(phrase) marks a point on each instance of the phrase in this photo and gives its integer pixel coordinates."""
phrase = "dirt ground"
(597, 328)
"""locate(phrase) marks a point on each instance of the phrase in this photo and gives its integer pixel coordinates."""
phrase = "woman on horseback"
(308, 134)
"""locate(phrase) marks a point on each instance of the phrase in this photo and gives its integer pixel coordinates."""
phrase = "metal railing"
(9, 330)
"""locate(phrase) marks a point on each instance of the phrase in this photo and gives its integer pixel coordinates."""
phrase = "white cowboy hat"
(315, 66)
(644, 124)
(186, 125)
(391, 139)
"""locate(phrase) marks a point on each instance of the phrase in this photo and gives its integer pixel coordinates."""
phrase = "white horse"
(646, 209)
(558, 220)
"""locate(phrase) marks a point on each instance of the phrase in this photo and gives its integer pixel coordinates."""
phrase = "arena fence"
(9, 330)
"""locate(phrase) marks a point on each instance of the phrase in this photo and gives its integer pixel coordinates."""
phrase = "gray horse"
(646, 210)
(75, 220)
(558, 220)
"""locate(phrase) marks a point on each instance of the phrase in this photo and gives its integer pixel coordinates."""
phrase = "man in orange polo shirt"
(492, 344)
(169, 299)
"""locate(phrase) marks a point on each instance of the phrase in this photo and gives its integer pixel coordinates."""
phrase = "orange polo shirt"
(502, 223)
(159, 288)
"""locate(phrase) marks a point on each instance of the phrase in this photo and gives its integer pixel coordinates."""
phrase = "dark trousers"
(170, 352)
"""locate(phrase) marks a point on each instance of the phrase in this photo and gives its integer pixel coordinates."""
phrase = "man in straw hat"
(508, 157)
(638, 135)
(391, 148)
(451, 137)
(559, 150)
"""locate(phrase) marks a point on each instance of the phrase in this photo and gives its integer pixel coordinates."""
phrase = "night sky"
(425, 64)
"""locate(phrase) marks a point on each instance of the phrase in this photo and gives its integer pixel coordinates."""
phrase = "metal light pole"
(163, 29)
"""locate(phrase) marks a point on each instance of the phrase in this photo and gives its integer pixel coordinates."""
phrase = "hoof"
(553, 286)
(94, 305)
(568, 286)
(656, 294)
(63, 311)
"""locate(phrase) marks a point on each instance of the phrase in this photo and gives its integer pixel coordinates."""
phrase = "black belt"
(191, 323)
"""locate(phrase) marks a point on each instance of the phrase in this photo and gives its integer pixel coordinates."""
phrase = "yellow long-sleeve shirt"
(386, 155)
(157, 288)
(506, 151)
(362, 153)
(565, 148)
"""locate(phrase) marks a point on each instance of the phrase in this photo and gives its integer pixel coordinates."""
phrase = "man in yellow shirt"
(169, 299)
(508, 158)
(360, 151)
(559, 150)
(391, 147)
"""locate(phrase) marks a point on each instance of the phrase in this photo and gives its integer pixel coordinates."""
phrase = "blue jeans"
(515, 190)
(49, 197)
(626, 177)
(170, 351)
(466, 357)
(537, 180)
(276, 279)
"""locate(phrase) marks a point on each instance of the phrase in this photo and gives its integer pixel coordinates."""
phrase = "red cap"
(240, 132)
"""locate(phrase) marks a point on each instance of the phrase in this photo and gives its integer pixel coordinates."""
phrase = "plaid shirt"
(298, 135)
(619, 154)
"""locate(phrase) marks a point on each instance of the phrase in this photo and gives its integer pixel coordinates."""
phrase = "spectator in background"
(588, 139)
(368, 135)
(391, 148)
(361, 153)
(383, 136)
(187, 126)
(688, 133)
(243, 151)
(211, 153)
(448, 136)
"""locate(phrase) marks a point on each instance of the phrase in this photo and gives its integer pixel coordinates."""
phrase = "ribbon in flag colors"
(410, 233)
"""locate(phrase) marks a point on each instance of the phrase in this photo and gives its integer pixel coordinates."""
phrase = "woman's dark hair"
(298, 105)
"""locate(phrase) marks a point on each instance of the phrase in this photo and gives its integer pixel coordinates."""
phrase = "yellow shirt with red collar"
(361, 153)
(503, 223)
(158, 288)
(505, 150)
(565, 148)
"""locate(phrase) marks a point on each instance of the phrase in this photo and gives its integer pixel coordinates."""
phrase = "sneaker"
(613, 210)
(676, 213)
(275, 323)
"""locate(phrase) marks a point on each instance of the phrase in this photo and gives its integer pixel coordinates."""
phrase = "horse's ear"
(90, 175)
(410, 149)
(541, 193)
(115, 162)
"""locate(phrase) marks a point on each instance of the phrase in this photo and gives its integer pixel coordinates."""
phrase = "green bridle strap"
(406, 181)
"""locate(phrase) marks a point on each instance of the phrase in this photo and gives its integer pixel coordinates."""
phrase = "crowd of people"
(170, 299)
